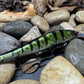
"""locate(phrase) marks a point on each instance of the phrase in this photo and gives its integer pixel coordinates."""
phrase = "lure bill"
(41, 43)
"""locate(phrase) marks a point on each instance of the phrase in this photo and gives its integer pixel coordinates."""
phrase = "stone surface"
(16, 28)
(25, 81)
(80, 28)
(60, 71)
(7, 43)
(6, 73)
(1, 25)
(72, 20)
(66, 26)
(57, 17)
(80, 16)
(40, 22)
(75, 54)
(31, 35)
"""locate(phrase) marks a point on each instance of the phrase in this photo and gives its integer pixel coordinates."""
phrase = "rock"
(32, 67)
(25, 81)
(80, 28)
(57, 17)
(80, 16)
(16, 28)
(1, 25)
(6, 73)
(75, 54)
(72, 20)
(60, 71)
(66, 26)
(7, 43)
(31, 35)
(40, 22)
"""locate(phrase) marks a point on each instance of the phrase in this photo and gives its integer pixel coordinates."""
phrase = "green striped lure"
(41, 43)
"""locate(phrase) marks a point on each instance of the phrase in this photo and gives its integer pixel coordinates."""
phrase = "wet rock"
(7, 43)
(66, 26)
(57, 17)
(1, 25)
(72, 20)
(60, 71)
(25, 81)
(40, 22)
(6, 73)
(80, 16)
(75, 54)
(80, 28)
(16, 28)
(31, 35)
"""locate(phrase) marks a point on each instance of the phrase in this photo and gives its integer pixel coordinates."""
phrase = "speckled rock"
(75, 54)
(25, 81)
(1, 25)
(40, 22)
(80, 16)
(6, 73)
(7, 43)
(57, 17)
(16, 28)
(31, 35)
(66, 26)
(80, 28)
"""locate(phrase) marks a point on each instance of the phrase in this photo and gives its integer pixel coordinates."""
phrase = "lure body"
(41, 43)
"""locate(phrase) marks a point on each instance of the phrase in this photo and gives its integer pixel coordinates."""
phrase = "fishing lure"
(41, 43)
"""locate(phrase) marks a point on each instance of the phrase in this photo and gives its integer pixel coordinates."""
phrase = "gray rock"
(1, 25)
(7, 43)
(16, 28)
(75, 54)
(31, 35)
(57, 17)
(40, 22)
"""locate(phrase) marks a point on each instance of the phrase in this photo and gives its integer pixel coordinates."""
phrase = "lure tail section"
(41, 43)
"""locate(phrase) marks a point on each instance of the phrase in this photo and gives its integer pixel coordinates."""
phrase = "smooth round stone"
(66, 26)
(40, 22)
(80, 28)
(7, 43)
(75, 54)
(31, 35)
(57, 17)
(1, 25)
(6, 72)
(80, 16)
(16, 28)
(25, 81)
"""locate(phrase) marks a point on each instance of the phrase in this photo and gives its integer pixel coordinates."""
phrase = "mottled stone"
(1, 25)
(16, 28)
(31, 35)
(7, 43)
(25, 81)
(60, 71)
(57, 17)
(80, 16)
(6, 73)
(80, 28)
(40, 22)
(75, 54)
(66, 26)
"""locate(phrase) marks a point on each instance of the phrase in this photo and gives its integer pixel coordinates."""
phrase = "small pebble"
(80, 16)
(7, 43)
(40, 22)
(75, 54)
(31, 35)
(16, 28)
(57, 17)
(66, 26)
(6, 73)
